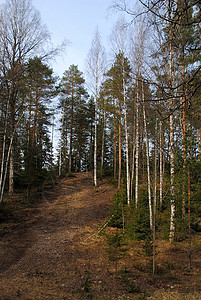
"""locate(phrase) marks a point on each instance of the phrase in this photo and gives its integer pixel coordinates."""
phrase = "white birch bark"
(103, 139)
(155, 201)
(137, 148)
(95, 140)
(172, 167)
(62, 129)
(4, 146)
(95, 62)
(11, 172)
(122, 35)
(133, 159)
(147, 146)
(126, 132)
(148, 163)
(137, 126)
(4, 175)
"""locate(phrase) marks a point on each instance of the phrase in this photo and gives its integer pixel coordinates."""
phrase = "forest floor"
(50, 248)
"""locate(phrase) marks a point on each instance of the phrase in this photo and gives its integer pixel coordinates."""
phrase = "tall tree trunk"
(119, 179)
(4, 175)
(148, 163)
(172, 163)
(161, 166)
(4, 149)
(133, 159)
(71, 130)
(155, 201)
(115, 141)
(62, 131)
(12, 129)
(199, 143)
(95, 141)
(137, 143)
(184, 137)
(103, 140)
(172, 158)
(126, 132)
(35, 117)
(147, 142)
(137, 124)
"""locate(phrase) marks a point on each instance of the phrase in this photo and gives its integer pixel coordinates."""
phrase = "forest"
(134, 118)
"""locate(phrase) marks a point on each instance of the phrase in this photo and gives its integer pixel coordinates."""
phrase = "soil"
(53, 247)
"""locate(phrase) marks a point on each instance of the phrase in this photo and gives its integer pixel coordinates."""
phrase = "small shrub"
(116, 247)
(70, 175)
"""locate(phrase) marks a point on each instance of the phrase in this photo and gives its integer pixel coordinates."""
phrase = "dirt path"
(50, 250)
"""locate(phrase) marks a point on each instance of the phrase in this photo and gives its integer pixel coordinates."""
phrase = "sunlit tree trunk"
(4, 149)
(12, 129)
(115, 141)
(71, 130)
(103, 139)
(147, 146)
(148, 163)
(133, 159)
(126, 132)
(184, 136)
(96, 62)
(155, 201)
(62, 131)
(137, 125)
(172, 163)
(34, 138)
(119, 178)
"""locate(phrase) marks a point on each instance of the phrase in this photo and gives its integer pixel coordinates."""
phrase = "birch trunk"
(172, 164)
(62, 130)
(133, 160)
(126, 132)
(35, 117)
(147, 148)
(155, 201)
(119, 179)
(71, 130)
(4, 147)
(4, 175)
(96, 61)
(12, 129)
(148, 163)
(103, 140)
(137, 125)
(95, 138)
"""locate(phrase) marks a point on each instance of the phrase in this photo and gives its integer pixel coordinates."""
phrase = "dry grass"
(51, 250)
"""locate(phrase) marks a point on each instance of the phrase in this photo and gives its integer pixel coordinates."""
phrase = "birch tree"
(21, 34)
(118, 40)
(95, 70)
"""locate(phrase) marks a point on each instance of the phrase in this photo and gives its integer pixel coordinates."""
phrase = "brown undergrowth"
(53, 247)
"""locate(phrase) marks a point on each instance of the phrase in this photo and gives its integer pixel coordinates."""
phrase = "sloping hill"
(47, 251)
(50, 249)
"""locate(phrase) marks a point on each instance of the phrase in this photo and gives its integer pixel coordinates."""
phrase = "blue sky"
(76, 21)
